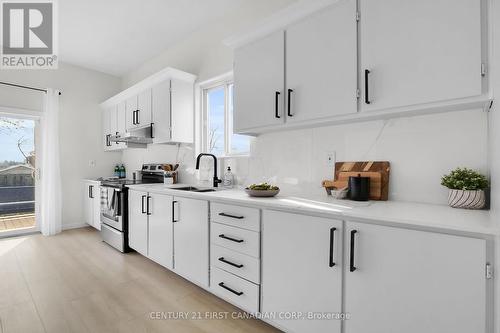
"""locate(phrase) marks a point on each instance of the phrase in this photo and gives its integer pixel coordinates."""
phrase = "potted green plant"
(466, 188)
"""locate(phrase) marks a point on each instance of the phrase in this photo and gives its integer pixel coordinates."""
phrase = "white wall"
(420, 149)
(80, 124)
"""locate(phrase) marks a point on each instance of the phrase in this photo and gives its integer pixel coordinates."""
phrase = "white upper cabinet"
(399, 280)
(173, 112)
(143, 117)
(259, 83)
(131, 112)
(417, 52)
(161, 112)
(321, 64)
(182, 111)
(106, 128)
(121, 119)
(161, 105)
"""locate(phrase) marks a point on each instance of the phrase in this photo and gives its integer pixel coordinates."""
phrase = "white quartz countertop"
(427, 216)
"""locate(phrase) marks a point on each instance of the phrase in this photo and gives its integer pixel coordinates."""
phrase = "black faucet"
(216, 180)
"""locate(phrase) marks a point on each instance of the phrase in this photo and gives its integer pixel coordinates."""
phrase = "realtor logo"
(28, 34)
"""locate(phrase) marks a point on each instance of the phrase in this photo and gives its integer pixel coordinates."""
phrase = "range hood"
(137, 137)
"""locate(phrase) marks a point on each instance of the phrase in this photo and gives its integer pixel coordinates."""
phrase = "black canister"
(359, 188)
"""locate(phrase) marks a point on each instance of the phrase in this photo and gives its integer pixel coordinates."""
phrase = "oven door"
(112, 206)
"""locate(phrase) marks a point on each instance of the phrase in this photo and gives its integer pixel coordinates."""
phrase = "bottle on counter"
(123, 171)
(117, 171)
(228, 178)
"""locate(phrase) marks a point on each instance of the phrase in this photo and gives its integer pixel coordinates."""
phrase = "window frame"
(225, 80)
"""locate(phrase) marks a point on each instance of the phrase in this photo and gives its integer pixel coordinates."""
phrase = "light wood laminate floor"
(73, 282)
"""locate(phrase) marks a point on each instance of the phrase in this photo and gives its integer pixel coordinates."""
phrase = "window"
(218, 135)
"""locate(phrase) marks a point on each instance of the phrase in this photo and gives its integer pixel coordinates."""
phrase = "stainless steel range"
(114, 205)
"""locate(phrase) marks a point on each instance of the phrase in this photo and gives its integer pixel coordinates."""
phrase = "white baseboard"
(74, 226)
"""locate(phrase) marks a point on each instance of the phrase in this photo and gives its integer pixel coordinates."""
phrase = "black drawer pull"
(367, 85)
(239, 217)
(332, 246)
(142, 204)
(230, 263)
(290, 102)
(238, 293)
(276, 106)
(352, 268)
(231, 239)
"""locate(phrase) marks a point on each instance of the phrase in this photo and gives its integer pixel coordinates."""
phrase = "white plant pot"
(466, 199)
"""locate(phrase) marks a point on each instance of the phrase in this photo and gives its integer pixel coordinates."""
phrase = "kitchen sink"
(193, 189)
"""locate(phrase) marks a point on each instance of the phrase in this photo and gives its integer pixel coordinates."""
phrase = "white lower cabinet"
(190, 219)
(161, 229)
(413, 281)
(92, 203)
(395, 279)
(301, 270)
(138, 222)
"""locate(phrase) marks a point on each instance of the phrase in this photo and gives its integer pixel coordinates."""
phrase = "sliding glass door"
(18, 167)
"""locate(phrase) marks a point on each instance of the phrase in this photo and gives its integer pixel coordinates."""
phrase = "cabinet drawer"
(236, 290)
(239, 240)
(238, 216)
(239, 264)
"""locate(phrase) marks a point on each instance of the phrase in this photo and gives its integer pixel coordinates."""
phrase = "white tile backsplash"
(420, 149)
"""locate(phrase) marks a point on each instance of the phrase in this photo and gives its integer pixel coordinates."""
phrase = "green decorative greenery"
(464, 179)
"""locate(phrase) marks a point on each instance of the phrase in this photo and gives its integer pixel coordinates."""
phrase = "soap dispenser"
(228, 178)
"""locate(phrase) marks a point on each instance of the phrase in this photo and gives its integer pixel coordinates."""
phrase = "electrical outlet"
(92, 163)
(330, 158)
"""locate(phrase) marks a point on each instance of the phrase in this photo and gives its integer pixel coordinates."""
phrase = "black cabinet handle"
(290, 103)
(367, 94)
(277, 104)
(142, 205)
(230, 263)
(238, 293)
(351, 259)
(138, 117)
(116, 133)
(89, 194)
(332, 246)
(108, 140)
(133, 118)
(231, 239)
(152, 130)
(239, 217)
(173, 211)
(148, 199)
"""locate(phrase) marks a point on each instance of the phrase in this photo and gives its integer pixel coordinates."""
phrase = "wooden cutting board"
(378, 171)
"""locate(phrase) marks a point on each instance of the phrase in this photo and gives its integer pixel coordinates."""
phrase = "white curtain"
(50, 172)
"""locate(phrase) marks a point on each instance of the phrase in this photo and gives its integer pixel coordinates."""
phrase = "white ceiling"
(116, 36)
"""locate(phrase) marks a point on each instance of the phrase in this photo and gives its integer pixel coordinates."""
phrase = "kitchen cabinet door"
(182, 111)
(138, 222)
(302, 269)
(121, 123)
(87, 204)
(161, 112)
(419, 52)
(96, 206)
(258, 83)
(160, 245)
(106, 129)
(321, 64)
(144, 107)
(191, 251)
(131, 108)
(413, 281)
